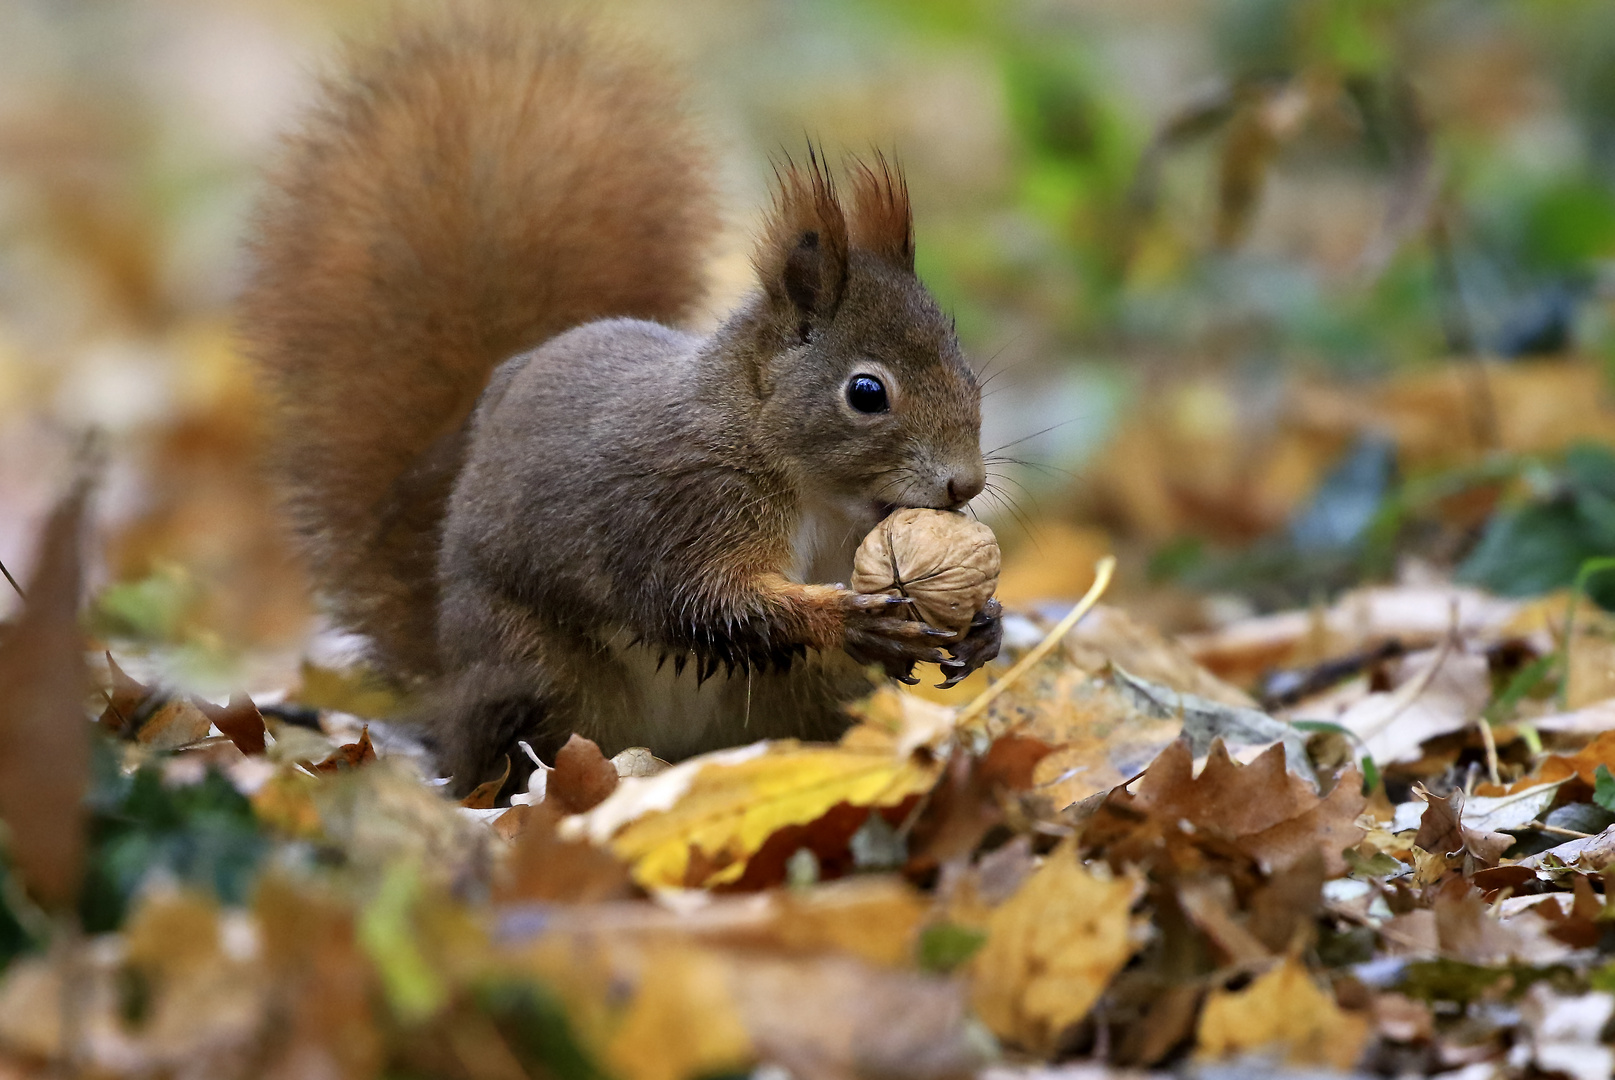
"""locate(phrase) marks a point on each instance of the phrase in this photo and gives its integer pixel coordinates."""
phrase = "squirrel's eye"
(866, 394)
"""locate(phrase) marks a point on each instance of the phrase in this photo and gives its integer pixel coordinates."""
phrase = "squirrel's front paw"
(877, 631)
(979, 645)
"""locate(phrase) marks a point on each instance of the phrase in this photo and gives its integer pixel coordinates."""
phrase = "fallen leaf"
(638, 761)
(44, 732)
(349, 756)
(485, 794)
(970, 799)
(1268, 812)
(1567, 1031)
(699, 823)
(357, 692)
(1441, 830)
(683, 1020)
(1052, 948)
(1433, 693)
(324, 991)
(124, 696)
(544, 867)
(582, 778)
(239, 720)
(177, 723)
(1283, 1009)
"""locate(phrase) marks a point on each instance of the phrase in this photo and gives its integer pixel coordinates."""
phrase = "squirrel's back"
(470, 186)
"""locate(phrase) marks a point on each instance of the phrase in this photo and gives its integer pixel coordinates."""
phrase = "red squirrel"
(540, 503)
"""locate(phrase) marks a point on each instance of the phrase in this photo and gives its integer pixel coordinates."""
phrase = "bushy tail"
(475, 183)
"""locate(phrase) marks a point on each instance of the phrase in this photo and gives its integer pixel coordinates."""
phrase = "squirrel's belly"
(637, 702)
(674, 713)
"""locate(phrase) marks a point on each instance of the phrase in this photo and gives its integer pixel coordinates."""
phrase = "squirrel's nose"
(965, 484)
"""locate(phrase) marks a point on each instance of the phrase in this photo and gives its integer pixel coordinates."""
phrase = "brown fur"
(467, 188)
(625, 501)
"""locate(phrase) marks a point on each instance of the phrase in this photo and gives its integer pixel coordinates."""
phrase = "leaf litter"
(1114, 856)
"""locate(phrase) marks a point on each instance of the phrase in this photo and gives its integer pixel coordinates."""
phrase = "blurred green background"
(1274, 295)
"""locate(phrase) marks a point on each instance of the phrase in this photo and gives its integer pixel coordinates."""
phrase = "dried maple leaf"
(44, 733)
(1284, 1009)
(582, 777)
(1273, 815)
(1052, 948)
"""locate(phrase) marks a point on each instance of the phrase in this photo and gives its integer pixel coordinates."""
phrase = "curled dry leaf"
(944, 561)
(1441, 830)
(44, 733)
(1052, 948)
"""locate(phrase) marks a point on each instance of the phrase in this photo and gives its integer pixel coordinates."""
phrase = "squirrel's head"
(861, 379)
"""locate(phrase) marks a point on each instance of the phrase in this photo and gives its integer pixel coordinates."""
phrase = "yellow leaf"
(697, 824)
(358, 692)
(1052, 948)
(682, 1021)
(286, 802)
(1283, 1008)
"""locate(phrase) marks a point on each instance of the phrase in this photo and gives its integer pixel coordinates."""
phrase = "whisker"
(1045, 431)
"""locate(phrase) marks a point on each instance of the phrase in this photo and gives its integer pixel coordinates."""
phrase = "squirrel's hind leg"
(476, 717)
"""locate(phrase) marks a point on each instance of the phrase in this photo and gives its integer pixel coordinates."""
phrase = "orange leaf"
(347, 757)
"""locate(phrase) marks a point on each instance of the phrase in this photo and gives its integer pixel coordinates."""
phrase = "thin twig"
(1103, 571)
(20, 594)
(1542, 826)
(1490, 743)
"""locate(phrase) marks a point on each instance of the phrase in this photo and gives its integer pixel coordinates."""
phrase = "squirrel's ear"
(802, 259)
(882, 222)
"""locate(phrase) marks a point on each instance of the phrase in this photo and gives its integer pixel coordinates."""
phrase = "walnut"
(945, 562)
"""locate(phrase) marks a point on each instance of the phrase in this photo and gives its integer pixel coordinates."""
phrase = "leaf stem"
(1104, 569)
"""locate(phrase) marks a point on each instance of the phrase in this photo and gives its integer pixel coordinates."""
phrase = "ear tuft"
(882, 220)
(802, 258)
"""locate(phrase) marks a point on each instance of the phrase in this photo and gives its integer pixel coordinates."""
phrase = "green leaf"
(387, 933)
(537, 1030)
(1604, 791)
(203, 834)
(945, 946)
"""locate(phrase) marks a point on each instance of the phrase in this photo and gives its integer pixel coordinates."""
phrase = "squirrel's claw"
(979, 645)
(876, 634)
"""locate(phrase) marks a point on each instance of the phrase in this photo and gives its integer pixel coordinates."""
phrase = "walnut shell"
(945, 562)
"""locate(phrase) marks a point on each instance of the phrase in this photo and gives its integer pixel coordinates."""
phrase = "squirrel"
(508, 471)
